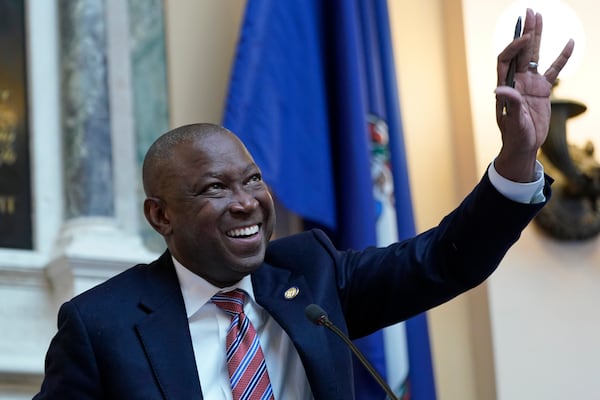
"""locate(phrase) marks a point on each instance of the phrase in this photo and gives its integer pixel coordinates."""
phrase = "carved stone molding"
(91, 250)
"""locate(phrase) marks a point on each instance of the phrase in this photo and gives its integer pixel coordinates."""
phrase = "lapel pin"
(291, 293)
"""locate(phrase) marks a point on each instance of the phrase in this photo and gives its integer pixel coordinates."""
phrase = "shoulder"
(298, 244)
(128, 284)
(303, 252)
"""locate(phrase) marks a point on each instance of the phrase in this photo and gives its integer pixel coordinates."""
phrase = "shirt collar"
(197, 291)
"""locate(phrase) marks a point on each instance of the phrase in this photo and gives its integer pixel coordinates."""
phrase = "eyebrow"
(248, 169)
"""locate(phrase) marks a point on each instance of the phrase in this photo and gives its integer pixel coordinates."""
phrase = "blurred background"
(87, 85)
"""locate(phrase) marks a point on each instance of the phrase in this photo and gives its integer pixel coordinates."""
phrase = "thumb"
(508, 101)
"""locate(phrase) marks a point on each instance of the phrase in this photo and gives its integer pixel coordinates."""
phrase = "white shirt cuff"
(526, 193)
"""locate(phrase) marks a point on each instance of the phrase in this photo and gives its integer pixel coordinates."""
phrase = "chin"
(250, 264)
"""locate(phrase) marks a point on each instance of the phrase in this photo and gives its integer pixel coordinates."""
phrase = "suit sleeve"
(380, 287)
(70, 371)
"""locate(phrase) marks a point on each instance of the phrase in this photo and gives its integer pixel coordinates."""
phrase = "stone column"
(100, 234)
(150, 90)
(85, 109)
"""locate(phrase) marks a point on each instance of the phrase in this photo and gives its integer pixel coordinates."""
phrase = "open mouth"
(245, 232)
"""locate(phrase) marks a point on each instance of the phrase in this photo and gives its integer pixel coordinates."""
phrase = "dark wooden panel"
(15, 176)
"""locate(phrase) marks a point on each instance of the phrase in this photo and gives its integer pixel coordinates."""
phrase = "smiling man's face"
(218, 212)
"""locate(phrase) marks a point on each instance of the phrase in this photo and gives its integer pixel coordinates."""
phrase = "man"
(160, 331)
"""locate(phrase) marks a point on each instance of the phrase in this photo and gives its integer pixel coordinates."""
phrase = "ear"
(155, 212)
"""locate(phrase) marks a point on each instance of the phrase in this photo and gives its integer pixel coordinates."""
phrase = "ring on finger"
(532, 65)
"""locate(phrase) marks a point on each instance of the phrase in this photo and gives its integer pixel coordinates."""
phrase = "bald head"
(159, 159)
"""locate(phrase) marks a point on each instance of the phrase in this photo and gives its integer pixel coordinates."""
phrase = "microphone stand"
(319, 317)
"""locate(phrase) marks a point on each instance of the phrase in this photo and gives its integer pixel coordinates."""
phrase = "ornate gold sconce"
(573, 212)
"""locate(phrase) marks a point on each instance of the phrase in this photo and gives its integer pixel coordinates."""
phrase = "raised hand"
(523, 112)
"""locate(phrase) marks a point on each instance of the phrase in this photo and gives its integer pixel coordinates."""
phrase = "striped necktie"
(245, 360)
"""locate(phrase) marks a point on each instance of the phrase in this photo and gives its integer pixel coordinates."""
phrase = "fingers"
(552, 73)
(533, 27)
(526, 49)
(512, 50)
(529, 30)
(537, 39)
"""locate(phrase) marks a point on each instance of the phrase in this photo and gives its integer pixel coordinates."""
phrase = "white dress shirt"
(208, 328)
(527, 193)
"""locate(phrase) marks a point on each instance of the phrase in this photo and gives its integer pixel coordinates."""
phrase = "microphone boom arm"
(319, 317)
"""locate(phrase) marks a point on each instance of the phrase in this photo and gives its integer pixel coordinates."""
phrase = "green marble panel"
(150, 89)
(85, 109)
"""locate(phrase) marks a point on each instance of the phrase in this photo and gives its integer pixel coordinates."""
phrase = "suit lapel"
(165, 335)
(270, 286)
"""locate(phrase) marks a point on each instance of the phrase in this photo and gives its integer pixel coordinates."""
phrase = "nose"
(243, 202)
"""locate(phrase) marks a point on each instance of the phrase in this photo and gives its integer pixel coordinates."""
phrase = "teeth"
(240, 232)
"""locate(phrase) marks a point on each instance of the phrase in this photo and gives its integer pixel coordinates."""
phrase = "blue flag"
(313, 96)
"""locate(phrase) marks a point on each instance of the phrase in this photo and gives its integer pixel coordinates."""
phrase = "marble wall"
(98, 92)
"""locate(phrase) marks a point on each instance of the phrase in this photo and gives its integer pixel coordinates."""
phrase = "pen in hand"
(512, 67)
(510, 76)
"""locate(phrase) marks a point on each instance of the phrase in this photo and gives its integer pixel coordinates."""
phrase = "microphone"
(318, 316)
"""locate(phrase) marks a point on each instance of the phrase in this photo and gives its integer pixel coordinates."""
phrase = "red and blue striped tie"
(245, 360)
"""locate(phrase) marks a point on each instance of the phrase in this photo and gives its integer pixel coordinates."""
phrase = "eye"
(216, 185)
(213, 188)
(254, 179)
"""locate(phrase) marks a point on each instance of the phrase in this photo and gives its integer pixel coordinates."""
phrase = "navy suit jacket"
(128, 338)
